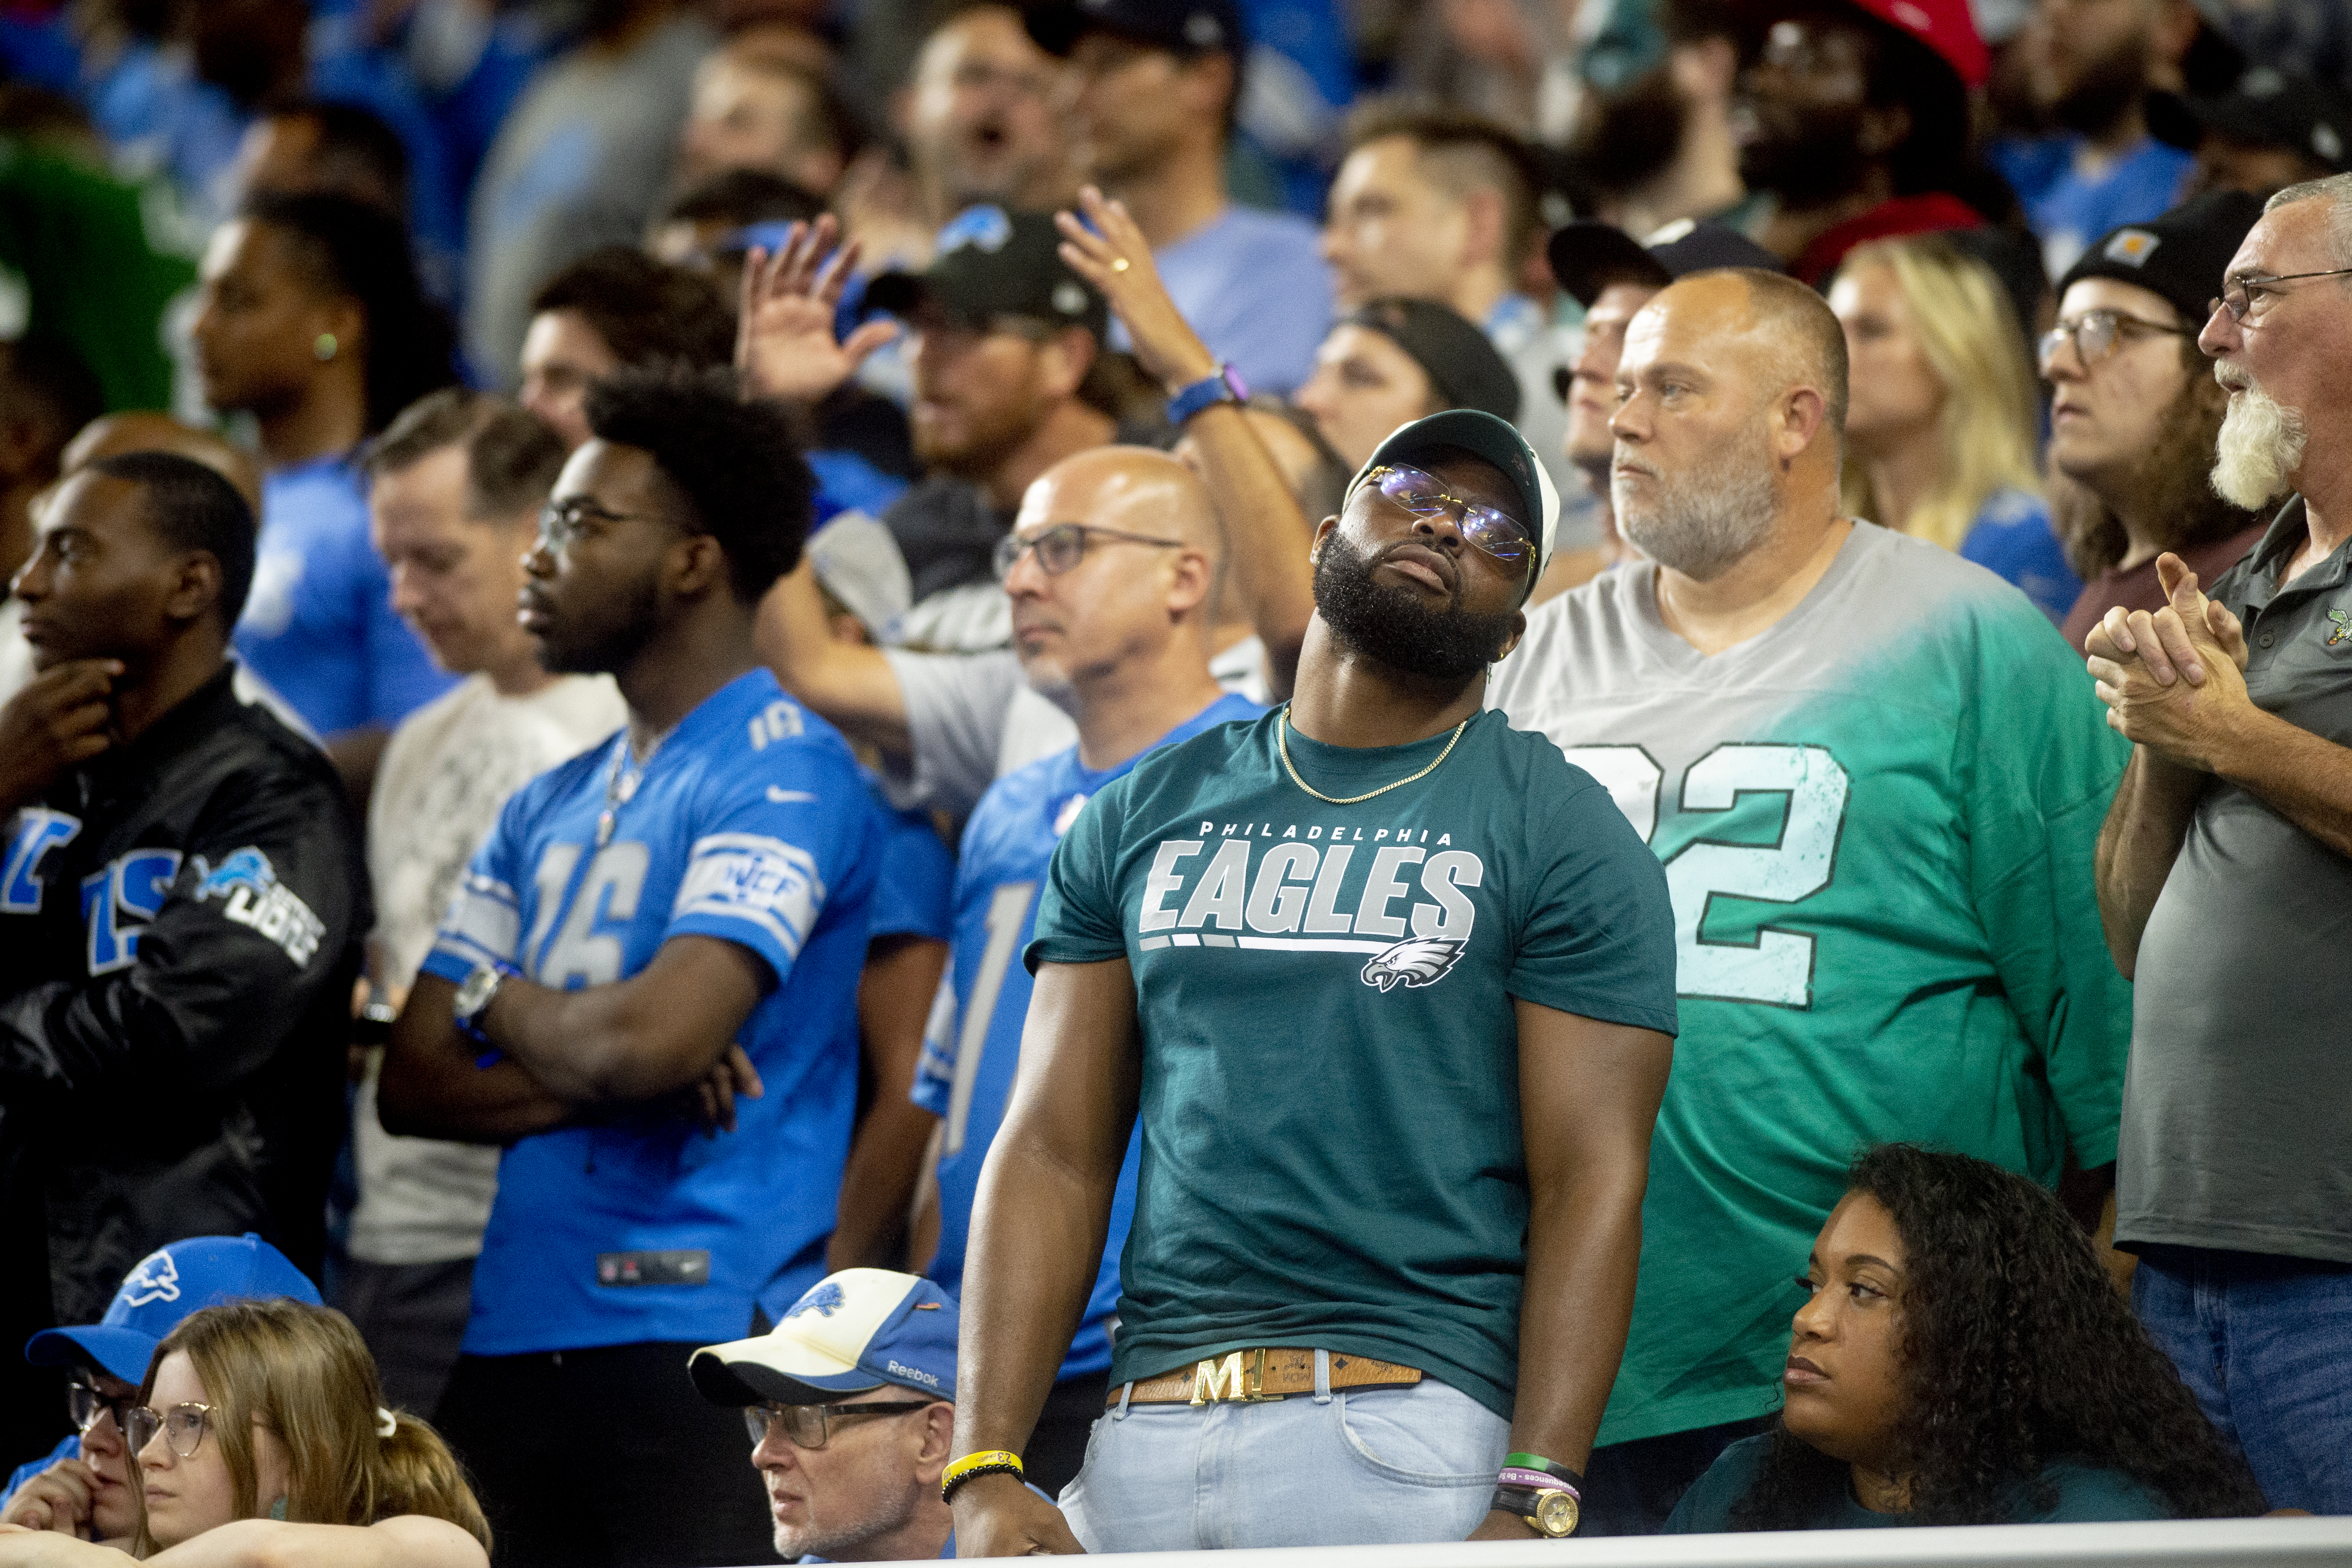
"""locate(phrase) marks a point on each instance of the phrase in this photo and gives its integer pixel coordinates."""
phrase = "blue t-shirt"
(1254, 285)
(914, 893)
(751, 824)
(2087, 1495)
(973, 1042)
(2068, 211)
(318, 624)
(2012, 538)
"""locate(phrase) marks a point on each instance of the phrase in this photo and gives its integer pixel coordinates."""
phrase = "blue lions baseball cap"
(170, 1283)
(854, 1330)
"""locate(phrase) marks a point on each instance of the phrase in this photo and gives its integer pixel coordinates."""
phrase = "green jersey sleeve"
(2033, 811)
(1077, 914)
(1598, 938)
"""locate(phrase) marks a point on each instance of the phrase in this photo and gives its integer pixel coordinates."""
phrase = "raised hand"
(1116, 258)
(784, 346)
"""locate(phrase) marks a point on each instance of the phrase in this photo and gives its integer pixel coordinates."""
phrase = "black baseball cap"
(1180, 26)
(990, 263)
(2266, 109)
(1587, 257)
(1463, 369)
(1492, 440)
(2180, 255)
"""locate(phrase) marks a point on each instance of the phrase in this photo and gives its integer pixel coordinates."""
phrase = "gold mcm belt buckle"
(1238, 1379)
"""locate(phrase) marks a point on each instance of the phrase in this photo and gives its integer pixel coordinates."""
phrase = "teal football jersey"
(1877, 821)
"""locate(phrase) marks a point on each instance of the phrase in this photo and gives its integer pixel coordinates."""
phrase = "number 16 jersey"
(1877, 820)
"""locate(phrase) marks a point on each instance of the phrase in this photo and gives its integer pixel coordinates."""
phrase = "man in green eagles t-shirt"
(1388, 988)
(1872, 772)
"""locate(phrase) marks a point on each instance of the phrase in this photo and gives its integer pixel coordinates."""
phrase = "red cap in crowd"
(1946, 27)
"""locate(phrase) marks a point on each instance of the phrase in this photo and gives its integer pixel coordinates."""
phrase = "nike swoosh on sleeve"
(782, 797)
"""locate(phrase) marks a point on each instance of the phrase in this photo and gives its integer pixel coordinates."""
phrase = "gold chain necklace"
(1282, 745)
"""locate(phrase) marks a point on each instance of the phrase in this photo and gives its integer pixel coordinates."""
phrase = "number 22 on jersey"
(1777, 967)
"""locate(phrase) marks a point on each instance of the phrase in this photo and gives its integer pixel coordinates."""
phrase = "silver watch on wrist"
(473, 999)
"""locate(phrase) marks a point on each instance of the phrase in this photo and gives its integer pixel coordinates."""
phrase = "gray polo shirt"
(2237, 1124)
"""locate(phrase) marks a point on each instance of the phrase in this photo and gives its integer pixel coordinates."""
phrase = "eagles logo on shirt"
(1415, 961)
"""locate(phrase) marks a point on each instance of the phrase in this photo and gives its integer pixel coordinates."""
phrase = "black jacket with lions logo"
(181, 922)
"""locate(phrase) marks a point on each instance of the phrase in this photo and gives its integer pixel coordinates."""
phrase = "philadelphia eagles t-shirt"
(1878, 818)
(1329, 1109)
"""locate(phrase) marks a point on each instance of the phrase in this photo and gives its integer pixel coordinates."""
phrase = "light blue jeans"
(1337, 1468)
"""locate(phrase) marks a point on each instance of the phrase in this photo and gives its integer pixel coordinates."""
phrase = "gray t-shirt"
(2237, 1126)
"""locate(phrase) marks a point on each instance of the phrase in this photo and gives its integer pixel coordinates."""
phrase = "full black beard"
(1392, 626)
(1622, 140)
(2108, 88)
(1808, 159)
(608, 650)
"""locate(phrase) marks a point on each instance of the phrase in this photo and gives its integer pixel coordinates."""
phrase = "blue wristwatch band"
(1224, 384)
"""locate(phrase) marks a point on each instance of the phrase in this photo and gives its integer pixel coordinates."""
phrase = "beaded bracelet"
(987, 1462)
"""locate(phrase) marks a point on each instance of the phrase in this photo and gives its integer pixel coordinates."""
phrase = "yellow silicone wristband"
(986, 1459)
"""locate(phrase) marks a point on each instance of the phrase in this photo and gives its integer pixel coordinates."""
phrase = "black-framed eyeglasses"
(184, 1427)
(2097, 335)
(559, 520)
(85, 1405)
(1499, 534)
(2238, 298)
(1064, 546)
(808, 1426)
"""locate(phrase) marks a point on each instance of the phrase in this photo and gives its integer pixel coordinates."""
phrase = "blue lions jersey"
(973, 1041)
(914, 895)
(751, 824)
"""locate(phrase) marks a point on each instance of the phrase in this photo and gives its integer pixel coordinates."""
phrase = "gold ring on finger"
(1118, 264)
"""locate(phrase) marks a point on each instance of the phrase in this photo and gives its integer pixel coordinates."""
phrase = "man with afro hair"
(653, 933)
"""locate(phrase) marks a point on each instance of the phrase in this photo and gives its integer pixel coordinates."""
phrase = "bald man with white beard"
(2225, 868)
(1869, 772)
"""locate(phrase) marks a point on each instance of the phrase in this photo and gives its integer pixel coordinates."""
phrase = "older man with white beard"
(1867, 767)
(2225, 881)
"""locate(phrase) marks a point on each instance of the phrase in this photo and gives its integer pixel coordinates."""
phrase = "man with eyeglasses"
(1113, 615)
(1004, 342)
(981, 124)
(2135, 411)
(2225, 862)
(84, 1489)
(849, 1403)
(1868, 771)
(1382, 988)
(677, 917)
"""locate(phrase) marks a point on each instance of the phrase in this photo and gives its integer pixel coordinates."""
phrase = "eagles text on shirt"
(1270, 886)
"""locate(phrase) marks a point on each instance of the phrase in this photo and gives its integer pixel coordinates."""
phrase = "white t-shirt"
(446, 772)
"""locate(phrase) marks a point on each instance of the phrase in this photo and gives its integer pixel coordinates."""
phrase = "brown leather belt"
(1247, 1377)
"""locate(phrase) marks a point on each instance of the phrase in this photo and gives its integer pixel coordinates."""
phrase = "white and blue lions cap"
(1491, 440)
(168, 1285)
(854, 1330)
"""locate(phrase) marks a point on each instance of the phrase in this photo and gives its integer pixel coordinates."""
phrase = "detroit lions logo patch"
(825, 1302)
(1415, 961)
(157, 1278)
(251, 895)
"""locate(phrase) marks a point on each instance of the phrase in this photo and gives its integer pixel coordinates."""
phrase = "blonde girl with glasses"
(261, 1438)
(1940, 436)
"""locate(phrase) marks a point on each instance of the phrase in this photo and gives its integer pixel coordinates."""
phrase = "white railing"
(2201, 1543)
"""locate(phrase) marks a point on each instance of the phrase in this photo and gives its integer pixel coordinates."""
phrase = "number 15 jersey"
(1877, 820)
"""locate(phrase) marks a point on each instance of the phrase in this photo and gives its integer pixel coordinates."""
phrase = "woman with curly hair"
(260, 1441)
(1964, 1358)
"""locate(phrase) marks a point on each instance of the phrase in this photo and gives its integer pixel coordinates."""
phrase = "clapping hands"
(2172, 678)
